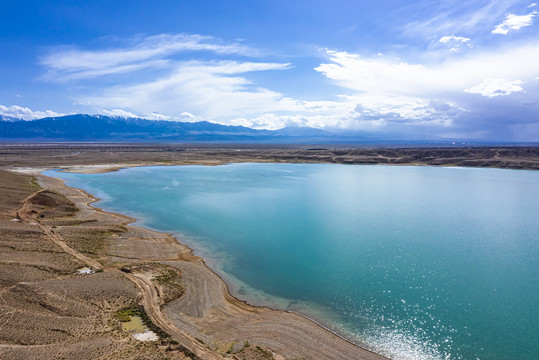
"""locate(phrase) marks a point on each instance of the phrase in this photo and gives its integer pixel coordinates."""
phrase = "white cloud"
(496, 87)
(118, 113)
(446, 39)
(464, 16)
(455, 42)
(383, 92)
(372, 75)
(514, 22)
(315, 114)
(188, 117)
(388, 93)
(212, 89)
(358, 112)
(392, 77)
(25, 113)
(55, 75)
(73, 64)
(269, 121)
(405, 109)
(156, 116)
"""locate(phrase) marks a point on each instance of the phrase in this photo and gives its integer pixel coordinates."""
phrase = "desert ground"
(59, 155)
(48, 232)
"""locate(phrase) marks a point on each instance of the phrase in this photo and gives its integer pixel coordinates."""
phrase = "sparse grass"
(92, 239)
(66, 221)
(264, 353)
(116, 229)
(229, 347)
(34, 184)
(166, 276)
(170, 281)
(124, 314)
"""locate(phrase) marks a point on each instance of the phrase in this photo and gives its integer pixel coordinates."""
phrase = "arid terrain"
(59, 155)
(48, 232)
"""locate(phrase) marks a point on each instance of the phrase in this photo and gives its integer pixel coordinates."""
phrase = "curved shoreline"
(227, 295)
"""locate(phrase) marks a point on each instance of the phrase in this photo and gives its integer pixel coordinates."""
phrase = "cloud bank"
(514, 22)
(208, 89)
(65, 63)
(25, 113)
(496, 87)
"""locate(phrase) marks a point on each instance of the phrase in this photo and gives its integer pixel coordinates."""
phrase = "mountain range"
(100, 128)
(81, 127)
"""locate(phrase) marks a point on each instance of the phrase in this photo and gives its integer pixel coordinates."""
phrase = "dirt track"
(47, 310)
(57, 239)
(151, 302)
(206, 319)
(150, 297)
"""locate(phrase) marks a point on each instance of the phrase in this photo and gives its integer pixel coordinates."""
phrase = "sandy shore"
(208, 318)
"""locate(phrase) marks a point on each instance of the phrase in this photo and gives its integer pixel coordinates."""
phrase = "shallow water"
(411, 262)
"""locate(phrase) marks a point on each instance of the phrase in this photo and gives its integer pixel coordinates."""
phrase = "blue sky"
(445, 68)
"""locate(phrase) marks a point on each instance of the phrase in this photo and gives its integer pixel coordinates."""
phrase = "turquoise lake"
(411, 262)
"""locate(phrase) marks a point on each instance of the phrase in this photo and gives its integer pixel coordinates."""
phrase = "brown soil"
(47, 310)
(119, 155)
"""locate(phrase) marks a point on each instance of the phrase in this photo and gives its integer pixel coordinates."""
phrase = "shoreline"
(95, 169)
(227, 296)
(114, 156)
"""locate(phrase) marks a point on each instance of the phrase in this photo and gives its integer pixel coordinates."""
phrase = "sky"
(428, 69)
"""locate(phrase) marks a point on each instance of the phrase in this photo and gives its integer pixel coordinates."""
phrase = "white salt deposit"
(146, 336)
(85, 271)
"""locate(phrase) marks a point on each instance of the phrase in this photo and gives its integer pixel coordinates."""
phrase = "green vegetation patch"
(125, 314)
(167, 276)
(134, 324)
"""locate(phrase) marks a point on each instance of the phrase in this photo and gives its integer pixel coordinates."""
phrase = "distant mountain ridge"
(9, 118)
(101, 128)
(81, 127)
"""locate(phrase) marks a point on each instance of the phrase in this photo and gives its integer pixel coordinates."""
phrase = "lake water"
(411, 262)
